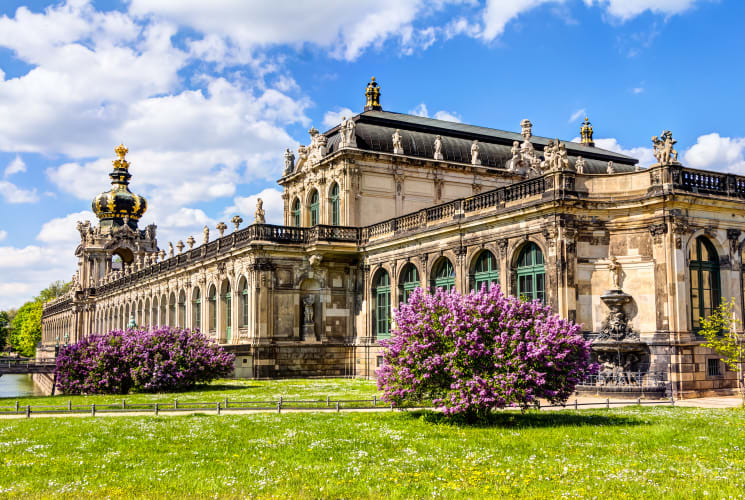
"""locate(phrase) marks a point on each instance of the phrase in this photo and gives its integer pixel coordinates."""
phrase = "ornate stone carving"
(221, 227)
(206, 232)
(398, 148)
(475, 160)
(658, 231)
(663, 149)
(289, 162)
(237, 221)
(438, 148)
(259, 214)
(170, 249)
(502, 245)
(611, 169)
(555, 156)
(317, 150)
(180, 246)
(579, 165)
(615, 272)
(527, 129)
(347, 136)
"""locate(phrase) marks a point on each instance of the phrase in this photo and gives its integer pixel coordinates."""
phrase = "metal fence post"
(93, 410)
(607, 403)
(328, 401)
(337, 407)
(28, 411)
(672, 400)
(375, 400)
(156, 409)
(16, 406)
(219, 407)
(576, 404)
(279, 406)
(124, 404)
(69, 405)
(175, 404)
(226, 402)
(639, 401)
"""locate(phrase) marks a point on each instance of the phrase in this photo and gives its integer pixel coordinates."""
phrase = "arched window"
(226, 310)
(196, 310)
(244, 302)
(443, 275)
(182, 309)
(314, 208)
(485, 271)
(409, 282)
(212, 309)
(154, 317)
(705, 289)
(334, 199)
(296, 213)
(163, 311)
(531, 274)
(172, 310)
(382, 295)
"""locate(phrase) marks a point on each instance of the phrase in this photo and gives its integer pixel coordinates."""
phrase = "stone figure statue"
(663, 148)
(259, 214)
(562, 160)
(580, 165)
(221, 227)
(206, 232)
(514, 163)
(83, 228)
(475, 160)
(349, 131)
(343, 132)
(527, 129)
(611, 169)
(289, 162)
(438, 148)
(615, 269)
(398, 148)
(302, 157)
(170, 249)
(308, 313)
(548, 154)
(150, 231)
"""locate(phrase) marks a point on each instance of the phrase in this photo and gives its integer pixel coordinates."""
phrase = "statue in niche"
(308, 312)
(206, 232)
(475, 160)
(438, 148)
(398, 148)
(580, 165)
(259, 214)
(289, 162)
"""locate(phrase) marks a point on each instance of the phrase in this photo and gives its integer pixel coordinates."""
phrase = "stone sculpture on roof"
(398, 148)
(206, 232)
(611, 169)
(349, 133)
(475, 160)
(579, 165)
(663, 149)
(289, 162)
(317, 148)
(259, 214)
(438, 148)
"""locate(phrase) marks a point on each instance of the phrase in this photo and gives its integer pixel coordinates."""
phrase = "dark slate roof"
(375, 129)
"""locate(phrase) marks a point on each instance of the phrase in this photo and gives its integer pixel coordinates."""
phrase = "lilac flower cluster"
(163, 359)
(477, 352)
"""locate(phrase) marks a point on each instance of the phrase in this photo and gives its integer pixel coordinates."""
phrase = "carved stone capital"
(658, 231)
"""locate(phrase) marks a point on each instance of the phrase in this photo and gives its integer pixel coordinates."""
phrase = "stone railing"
(706, 182)
(446, 212)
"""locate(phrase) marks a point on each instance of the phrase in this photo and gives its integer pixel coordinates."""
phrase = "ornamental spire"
(586, 132)
(372, 93)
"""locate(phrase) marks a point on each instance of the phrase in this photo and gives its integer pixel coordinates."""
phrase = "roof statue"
(579, 165)
(586, 133)
(206, 232)
(289, 162)
(398, 148)
(438, 148)
(317, 149)
(663, 149)
(237, 220)
(611, 169)
(347, 137)
(372, 95)
(259, 214)
(475, 160)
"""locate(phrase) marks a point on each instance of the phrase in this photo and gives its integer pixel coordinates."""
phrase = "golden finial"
(586, 133)
(121, 152)
(372, 93)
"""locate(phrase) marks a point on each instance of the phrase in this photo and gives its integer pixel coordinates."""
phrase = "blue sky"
(207, 95)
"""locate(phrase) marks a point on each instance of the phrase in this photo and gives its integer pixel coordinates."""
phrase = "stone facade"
(370, 212)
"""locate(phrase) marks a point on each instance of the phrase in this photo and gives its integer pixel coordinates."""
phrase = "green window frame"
(531, 273)
(314, 208)
(409, 282)
(213, 311)
(486, 270)
(228, 315)
(334, 197)
(244, 303)
(382, 294)
(444, 275)
(705, 280)
(197, 313)
(296, 213)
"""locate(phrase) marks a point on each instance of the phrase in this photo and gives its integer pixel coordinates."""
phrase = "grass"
(631, 452)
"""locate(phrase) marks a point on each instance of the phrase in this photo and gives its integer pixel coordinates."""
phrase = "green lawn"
(632, 452)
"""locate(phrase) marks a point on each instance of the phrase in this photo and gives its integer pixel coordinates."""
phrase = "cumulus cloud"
(3, 234)
(644, 155)
(64, 229)
(246, 206)
(15, 166)
(333, 118)
(447, 116)
(421, 110)
(13, 194)
(627, 9)
(713, 152)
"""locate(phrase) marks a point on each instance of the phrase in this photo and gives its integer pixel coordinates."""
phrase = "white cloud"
(498, 13)
(64, 229)
(714, 152)
(576, 115)
(13, 194)
(644, 155)
(448, 117)
(28, 270)
(15, 166)
(246, 206)
(637, 90)
(3, 234)
(627, 9)
(333, 118)
(420, 110)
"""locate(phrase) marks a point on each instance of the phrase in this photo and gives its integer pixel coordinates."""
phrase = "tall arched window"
(531, 274)
(382, 295)
(196, 310)
(154, 316)
(409, 282)
(443, 275)
(212, 309)
(163, 311)
(485, 271)
(334, 199)
(182, 309)
(705, 289)
(244, 303)
(296, 213)
(227, 310)
(171, 310)
(314, 208)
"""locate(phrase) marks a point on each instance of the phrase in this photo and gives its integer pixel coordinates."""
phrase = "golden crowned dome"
(119, 204)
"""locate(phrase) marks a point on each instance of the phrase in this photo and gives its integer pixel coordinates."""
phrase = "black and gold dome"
(119, 204)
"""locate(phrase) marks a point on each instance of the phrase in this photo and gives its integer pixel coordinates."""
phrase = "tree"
(724, 335)
(54, 290)
(480, 352)
(4, 328)
(26, 328)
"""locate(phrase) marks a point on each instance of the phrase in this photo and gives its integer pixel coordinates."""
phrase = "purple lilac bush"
(477, 352)
(164, 359)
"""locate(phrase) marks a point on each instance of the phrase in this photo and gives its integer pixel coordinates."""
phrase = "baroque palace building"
(384, 203)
